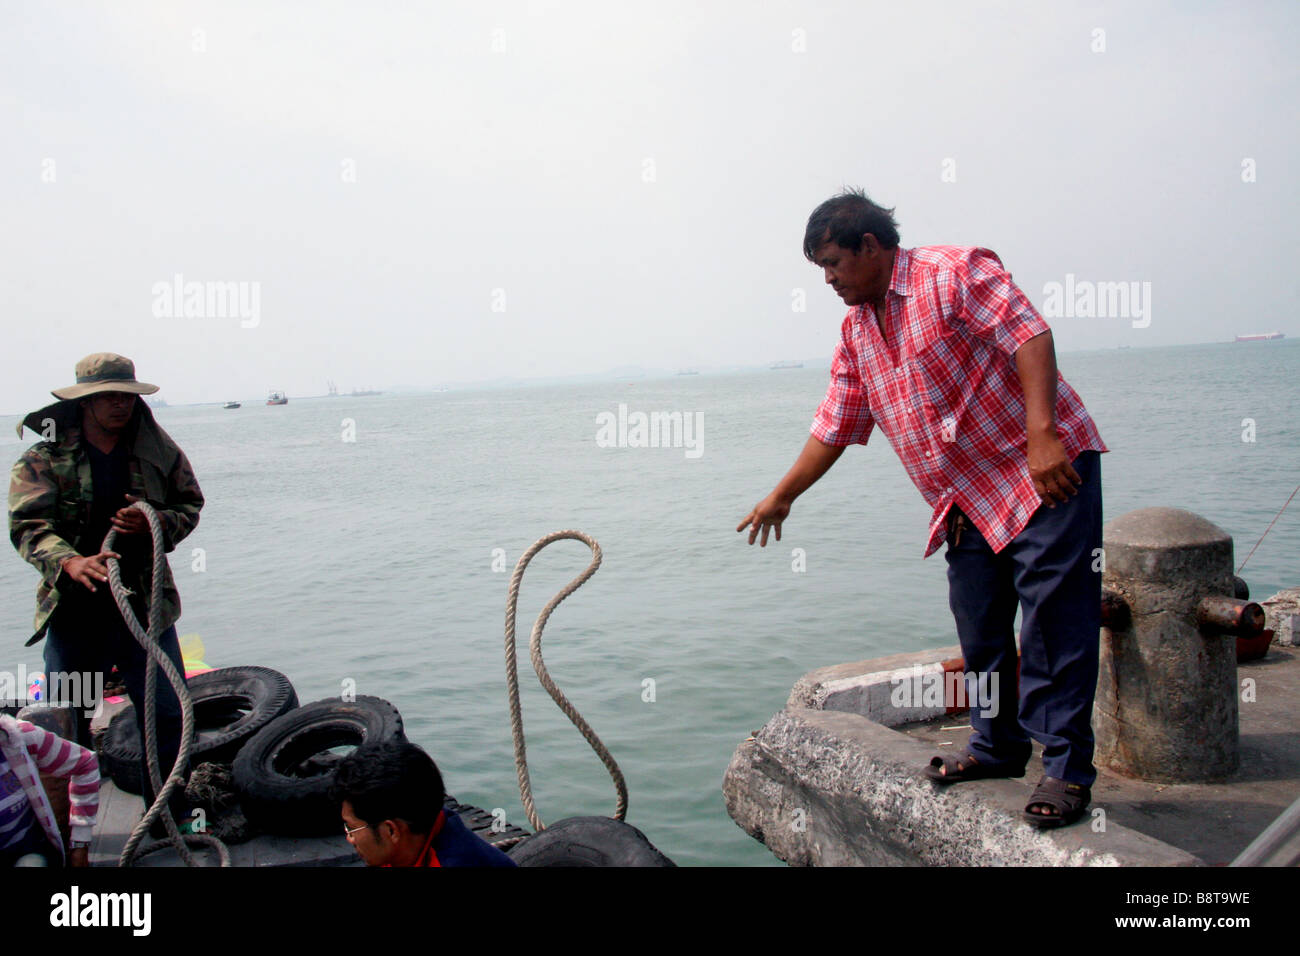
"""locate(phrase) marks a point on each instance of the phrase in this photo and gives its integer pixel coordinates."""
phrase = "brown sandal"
(962, 767)
(1068, 800)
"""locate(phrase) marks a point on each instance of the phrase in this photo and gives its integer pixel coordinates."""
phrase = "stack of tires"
(283, 755)
(283, 774)
(230, 706)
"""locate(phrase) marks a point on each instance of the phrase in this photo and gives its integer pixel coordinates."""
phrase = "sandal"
(1068, 800)
(959, 768)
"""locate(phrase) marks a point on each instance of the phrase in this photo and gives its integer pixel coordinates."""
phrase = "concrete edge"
(1282, 616)
(825, 788)
(868, 688)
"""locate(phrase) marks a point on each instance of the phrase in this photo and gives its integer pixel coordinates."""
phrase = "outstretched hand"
(767, 514)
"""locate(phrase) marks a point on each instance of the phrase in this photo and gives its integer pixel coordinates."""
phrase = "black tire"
(231, 704)
(588, 841)
(282, 776)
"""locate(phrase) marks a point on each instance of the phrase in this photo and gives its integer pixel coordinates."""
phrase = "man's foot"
(962, 767)
(1055, 803)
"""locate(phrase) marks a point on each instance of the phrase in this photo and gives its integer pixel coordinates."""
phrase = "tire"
(231, 704)
(283, 778)
(588, 841)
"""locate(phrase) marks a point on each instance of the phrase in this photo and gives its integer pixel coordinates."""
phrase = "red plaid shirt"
(942, 385)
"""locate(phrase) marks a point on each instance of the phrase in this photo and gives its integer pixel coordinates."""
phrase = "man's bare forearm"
(1050, 469)
(813, 462)
(1036, 366)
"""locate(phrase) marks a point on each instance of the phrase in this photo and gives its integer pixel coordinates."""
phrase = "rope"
(1268, 529)
(149, 641)
(535, 652)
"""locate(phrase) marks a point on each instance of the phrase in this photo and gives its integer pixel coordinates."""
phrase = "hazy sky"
(423, 193)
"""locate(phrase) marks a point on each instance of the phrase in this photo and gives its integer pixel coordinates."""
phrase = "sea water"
(367, 543)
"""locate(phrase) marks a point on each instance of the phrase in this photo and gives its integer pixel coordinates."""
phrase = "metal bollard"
(1166, 706)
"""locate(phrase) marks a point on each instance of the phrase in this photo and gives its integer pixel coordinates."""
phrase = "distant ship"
(1259, 337)
(688, 371)
(786, 365)
(231, 405)
(357, 393)
(277, 398)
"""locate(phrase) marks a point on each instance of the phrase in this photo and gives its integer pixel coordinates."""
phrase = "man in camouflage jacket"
(102, 449)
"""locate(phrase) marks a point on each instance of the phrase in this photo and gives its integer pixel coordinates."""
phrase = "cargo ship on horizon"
(1259, 337)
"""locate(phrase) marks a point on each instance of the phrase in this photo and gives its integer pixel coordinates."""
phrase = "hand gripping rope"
(149, 641)
(535, 652)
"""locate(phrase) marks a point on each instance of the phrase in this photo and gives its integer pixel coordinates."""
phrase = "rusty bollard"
(1166, 707)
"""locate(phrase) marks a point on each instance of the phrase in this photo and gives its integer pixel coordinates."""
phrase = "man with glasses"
(391, 797)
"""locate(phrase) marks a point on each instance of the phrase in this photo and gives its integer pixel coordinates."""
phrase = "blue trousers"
(1048, 571)
(72, 644)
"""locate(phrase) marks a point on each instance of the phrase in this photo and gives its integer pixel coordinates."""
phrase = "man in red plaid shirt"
(950, 360)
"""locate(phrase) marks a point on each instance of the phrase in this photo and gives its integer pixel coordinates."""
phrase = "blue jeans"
(1047, 570)
(72, 644)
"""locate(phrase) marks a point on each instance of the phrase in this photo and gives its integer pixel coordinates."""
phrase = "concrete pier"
(823, 785)
(837, 777)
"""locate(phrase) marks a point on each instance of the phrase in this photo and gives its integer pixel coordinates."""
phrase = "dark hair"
(393, 780)
(845, 219)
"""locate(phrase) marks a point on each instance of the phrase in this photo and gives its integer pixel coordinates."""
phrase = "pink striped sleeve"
(55, 755)
(843, 417)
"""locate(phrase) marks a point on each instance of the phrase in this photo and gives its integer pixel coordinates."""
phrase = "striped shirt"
(16, 816)
(941, 382)
(31, 751)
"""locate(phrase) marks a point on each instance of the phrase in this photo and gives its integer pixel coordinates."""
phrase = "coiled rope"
(149, 641)
(535, 652)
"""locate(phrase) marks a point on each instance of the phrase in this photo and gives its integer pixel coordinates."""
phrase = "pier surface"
(828, 781)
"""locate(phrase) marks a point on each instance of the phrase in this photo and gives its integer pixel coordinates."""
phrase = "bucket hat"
(104, 372)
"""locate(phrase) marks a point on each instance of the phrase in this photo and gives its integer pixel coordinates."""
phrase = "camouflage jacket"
(51, 492)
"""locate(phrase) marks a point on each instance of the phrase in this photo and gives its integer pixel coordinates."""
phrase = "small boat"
(231, 405)
(277, 398)
(1259, 337)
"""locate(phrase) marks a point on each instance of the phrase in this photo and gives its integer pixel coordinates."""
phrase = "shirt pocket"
(940, 369)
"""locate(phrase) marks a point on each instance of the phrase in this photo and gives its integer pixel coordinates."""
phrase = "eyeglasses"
(348, 831)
